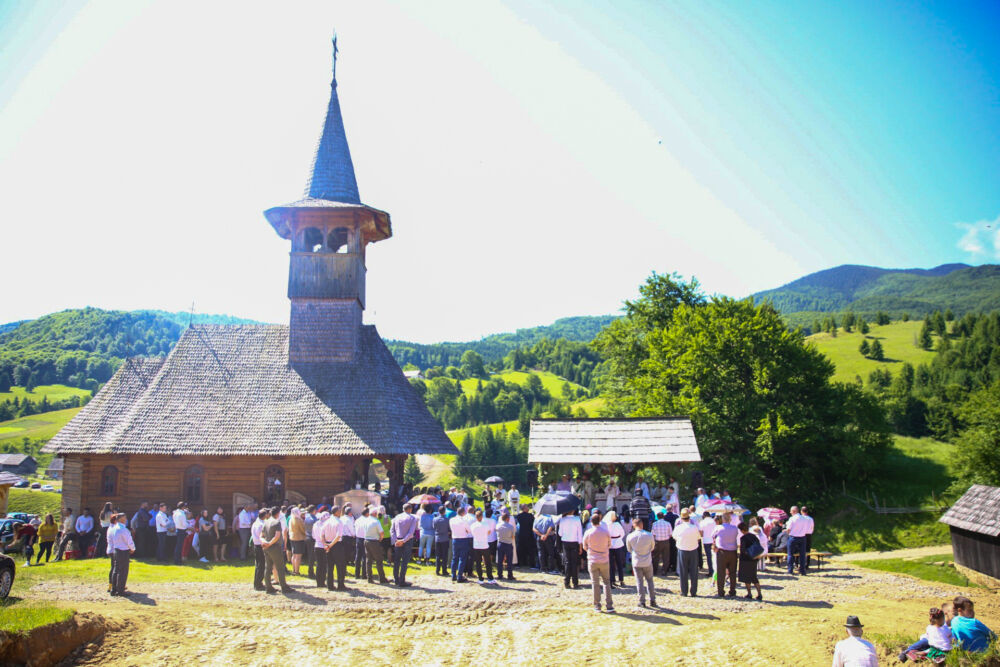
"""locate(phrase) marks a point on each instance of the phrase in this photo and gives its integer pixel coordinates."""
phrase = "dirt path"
(433, 469)
(532, 621)
(941, 550)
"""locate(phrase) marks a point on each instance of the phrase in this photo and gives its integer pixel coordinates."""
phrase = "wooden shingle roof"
(8, 479)
(640, 440)
(13, 459)
(978, 510)
(230, 390)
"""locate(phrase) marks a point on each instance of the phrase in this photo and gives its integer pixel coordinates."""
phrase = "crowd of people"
(466, 541)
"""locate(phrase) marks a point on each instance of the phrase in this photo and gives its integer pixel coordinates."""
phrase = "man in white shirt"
(243, 523)
(121, 547)
(707, 527)
(514, 498)
(319, 553)
(162, 525)
(854, 651)
(336, 557)
(84, 532)
(571, 536)
(797, 528)
(181, 524)
(350, 546)
(701, 499)
(480, 530)
(258, 548)
(688, 537)
(643, 487)
(68, 532)
(461, 545)
(809, 533)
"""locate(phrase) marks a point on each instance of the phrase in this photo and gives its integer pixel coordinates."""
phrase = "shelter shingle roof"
(977, 510)
(8, 479)
(13, 459)
(640, 440)
(230, 390)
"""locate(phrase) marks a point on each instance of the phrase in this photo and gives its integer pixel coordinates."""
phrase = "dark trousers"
(673, 555)
(505, 554)
(359, 558)
(726, 560)
(119, 570)
(336, 557)
(797, 545)
(478, 557)
(179, 546)
(547, 554)
(309, 558)
(161, 546)
(373, 559)
(258, 567)
(708, 557)
(349, 544)
(83, 543)
(617, 558)
(274, 561)
(319, 564)
(46, 548)
(661, 556)
(527, 552)
(809, 547)
(460, 555)
(404, 553)
(440, 558)
(688, 562)
(572, 573)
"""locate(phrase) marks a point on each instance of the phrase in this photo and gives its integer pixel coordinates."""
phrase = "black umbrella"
(557, 503)
(494, 480)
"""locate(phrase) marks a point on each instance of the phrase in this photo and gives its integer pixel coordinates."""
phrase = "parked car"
(7, 572)
(23, 517)
(48, 487)
(6, 531)
(23, 484)
(36, 485)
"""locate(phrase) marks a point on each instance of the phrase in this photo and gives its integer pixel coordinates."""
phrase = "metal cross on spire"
(335, 54)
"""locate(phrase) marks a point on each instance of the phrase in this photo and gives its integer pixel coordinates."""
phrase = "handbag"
(755, 551)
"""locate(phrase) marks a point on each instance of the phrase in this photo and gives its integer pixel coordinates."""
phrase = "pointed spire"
(332, 176)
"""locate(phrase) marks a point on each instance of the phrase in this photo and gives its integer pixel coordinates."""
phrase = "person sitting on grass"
(969, 633)
(935, 642)
(854, 651)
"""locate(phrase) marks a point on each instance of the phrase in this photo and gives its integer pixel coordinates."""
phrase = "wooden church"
(265, 412)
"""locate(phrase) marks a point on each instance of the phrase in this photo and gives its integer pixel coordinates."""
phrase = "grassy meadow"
(55, 392)
(37, 427)
(18, 616)
(898, 341)
(33, 501)
(929, 568)
(552, 382)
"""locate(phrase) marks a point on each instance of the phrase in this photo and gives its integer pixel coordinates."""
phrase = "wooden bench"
(779, 557)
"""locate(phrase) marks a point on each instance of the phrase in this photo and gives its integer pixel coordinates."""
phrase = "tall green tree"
(978, 453)
(877, 353)
(767, 418)
(412, 474)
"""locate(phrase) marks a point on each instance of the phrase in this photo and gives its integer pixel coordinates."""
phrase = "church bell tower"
(329, 230)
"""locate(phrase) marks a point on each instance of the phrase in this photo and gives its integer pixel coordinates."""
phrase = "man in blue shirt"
(425, 548)
(84, 532)
(441, 530)
(544, 530)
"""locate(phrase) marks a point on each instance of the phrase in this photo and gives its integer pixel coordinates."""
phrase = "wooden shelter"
(974, 521)
(236, 414)
(636, 441)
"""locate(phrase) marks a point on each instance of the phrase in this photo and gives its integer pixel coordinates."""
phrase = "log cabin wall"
(162, 479)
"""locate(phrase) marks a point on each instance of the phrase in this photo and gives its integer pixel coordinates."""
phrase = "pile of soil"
(49, 644)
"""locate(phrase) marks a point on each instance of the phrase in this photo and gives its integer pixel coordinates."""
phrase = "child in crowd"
(971, 634)
(935, 642)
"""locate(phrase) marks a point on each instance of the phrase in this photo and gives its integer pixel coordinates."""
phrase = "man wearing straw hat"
(854, 651)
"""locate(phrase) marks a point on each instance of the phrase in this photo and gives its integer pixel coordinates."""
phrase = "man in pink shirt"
(597, 542)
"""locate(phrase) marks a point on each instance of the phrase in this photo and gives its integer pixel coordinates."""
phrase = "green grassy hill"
(897, 340)
(552, 382)
(54, 392)
(34, 502)
(38, 429)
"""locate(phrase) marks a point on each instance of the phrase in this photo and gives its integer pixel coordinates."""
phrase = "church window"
(109, 481)
(337, 240)
(312, 240)
(194, 484)
(274, 485)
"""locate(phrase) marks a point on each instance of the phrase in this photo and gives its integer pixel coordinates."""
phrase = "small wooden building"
(7, 480)
(236, 414)
(974, 521)
(18, 464)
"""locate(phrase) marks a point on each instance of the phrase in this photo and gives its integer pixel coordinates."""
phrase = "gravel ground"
(531, 621)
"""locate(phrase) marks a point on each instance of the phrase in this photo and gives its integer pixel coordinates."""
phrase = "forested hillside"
(496, 346)
(866, 290)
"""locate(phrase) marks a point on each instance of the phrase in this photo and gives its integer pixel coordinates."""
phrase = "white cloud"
(981, 239)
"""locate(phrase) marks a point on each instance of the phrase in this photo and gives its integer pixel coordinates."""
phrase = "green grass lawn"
(37, 427)
(552, 382)
(34, 502)
(897, 341)
(17, 615)
(927, 568)
(592, 406)
(55, 392)
(459, 433)
(916, 473)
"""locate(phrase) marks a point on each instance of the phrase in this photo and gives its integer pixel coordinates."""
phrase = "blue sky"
(538, 159)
